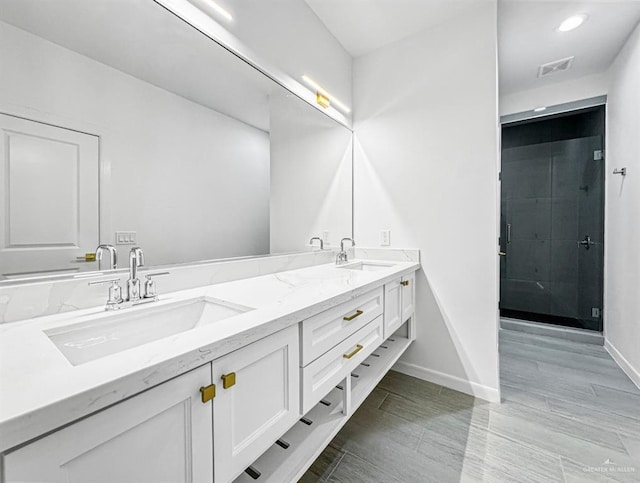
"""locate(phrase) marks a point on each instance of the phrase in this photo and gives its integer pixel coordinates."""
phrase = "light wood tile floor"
(569, 414)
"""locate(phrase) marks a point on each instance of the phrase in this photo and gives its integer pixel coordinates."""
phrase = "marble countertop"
(40, 390)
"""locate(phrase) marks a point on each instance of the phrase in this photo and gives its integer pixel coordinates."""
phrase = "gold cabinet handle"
(353, 352)
(208, 392)
(228, 380)
(351, 317)
(404, 283)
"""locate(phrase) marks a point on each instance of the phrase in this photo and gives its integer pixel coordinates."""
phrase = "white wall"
(426, 168)
(193, 183)
(622, 258)
(310, 175)
(288, 34)
(553, 94)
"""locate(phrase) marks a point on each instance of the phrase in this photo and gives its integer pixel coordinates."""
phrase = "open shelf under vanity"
(293, 453)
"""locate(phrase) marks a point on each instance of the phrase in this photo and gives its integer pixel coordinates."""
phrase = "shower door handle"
(586, 243)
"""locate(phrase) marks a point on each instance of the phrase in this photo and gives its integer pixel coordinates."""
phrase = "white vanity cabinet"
(175, 432)
(257, 400)
(399, 303)
(211, 424)
(161, 435)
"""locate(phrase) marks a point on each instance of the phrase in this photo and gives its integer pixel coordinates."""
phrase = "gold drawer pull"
(354, 352)
(228, 380)
(405, 282)
(208, 392)
(351, 317)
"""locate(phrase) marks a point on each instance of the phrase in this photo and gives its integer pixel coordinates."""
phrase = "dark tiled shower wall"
(552, 197)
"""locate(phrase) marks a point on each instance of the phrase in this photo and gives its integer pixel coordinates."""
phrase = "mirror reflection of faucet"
(113, 256)
(319, 239)
(133, 295)
(342, 257)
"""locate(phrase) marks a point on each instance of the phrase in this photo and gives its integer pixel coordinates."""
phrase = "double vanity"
(246, 380)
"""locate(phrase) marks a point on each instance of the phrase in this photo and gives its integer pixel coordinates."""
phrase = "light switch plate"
(325, 237)
(385, 238)
(126, 238)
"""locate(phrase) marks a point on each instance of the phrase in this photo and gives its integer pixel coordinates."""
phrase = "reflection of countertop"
(41, 391)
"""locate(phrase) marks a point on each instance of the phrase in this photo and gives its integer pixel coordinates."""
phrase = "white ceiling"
(362, 26)
(528, 37)
(527, 31)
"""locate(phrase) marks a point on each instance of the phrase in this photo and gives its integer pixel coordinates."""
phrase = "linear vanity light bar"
(322, 93)
(209, 6)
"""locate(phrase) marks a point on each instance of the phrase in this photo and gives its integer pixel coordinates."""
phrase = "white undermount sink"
(113, 332)
(368, 266)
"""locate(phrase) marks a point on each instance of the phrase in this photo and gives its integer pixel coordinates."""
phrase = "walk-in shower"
(552, 219)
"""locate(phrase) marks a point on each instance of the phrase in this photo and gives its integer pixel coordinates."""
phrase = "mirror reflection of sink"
(118, 331)
(368, 266)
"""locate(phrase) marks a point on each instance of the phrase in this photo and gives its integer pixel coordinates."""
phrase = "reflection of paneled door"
(49, 201)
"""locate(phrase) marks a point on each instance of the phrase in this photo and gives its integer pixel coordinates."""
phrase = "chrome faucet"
(319, 239)
(342, 256)
(133, 294)
(136, 259)
(113, 255)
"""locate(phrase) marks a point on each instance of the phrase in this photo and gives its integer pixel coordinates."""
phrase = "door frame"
(549, 111)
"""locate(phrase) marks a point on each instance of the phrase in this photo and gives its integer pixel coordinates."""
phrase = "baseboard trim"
(452, 382)
(624, 364)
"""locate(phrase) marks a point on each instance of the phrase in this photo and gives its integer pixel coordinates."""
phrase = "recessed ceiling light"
(572, 22)
(539, 109)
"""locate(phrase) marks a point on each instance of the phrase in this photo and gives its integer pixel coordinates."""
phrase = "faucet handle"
(150, 285)
(115, 292)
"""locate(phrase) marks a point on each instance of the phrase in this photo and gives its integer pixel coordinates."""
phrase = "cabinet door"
(161, 435)
(392, 307)
(260, 403)
(408, 296)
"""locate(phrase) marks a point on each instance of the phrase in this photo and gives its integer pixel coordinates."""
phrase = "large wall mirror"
(123, 124)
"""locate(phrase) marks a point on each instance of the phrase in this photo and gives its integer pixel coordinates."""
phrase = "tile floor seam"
(424, 431)
(386, 395)
(589, 441)
(589, 350)
(616, 389)
(572, 401)
(624, 445)
(342, 453)
(564, 474)
(535, 447)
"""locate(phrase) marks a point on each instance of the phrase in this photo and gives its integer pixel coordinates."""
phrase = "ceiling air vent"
(555, 66)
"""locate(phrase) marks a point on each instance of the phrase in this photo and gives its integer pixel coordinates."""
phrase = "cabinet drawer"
(323, 331)
(323, 374)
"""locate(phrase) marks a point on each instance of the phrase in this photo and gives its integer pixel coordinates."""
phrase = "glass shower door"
(552, 232)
